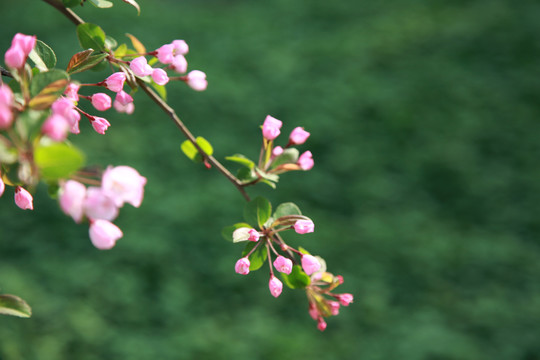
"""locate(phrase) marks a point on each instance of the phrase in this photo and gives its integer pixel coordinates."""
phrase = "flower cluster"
(119, 185)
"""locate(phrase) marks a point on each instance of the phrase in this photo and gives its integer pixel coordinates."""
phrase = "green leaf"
(83, 61)
(191, 151)
(121, 51)
(29, 123)
(71, 3)
(110, 42)
(257, 211)
(258, 257)
(134, 4)
(285, 209)
(242, 160)
(289, 156)
(245, 175)
(14, 305)
(137, 45)
(44, 79)
(160, 89)
(268, 176)
(297, 279)
(48, 95)
(58, 161)
(228, 230)
(269, 183)
(43, 56)
(102, 4)
(91, 36)
(8, 155)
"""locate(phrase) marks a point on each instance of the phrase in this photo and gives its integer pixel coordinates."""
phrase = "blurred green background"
(425, 122)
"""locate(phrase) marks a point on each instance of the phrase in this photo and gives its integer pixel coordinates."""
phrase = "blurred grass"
(424, 121)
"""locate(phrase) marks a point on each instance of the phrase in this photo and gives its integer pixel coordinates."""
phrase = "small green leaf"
(285, 209)
(84, 61)
(58, 161)
(242, 160)
(297, 279)
(269, 183)
(14, 305)
(110, 42)
(43, 56)
(71, 3)
(91, 36)
(289, 156)
(121, 51)
(245, 175)
(44, 79)
(48, 95)
(134, 4)
(257, 211)
(268, 176)
(102, 4)
(205, 145)
(137, 45)
(228, 231)
(191, 151)
(258, 257)
(160, 89)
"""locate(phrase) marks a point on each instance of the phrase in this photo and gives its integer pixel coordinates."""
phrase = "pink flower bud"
(270, 128)
(15, 57)
(253, 235)
(104, 234)
(6, 117)
(196, 80)
(313, 311)
(304, 226)
(179, 64)
(298, 136)
(73, 119)
(165, 54)
(23, 199)
(128, 108)
(101, 101)
(99, 206)
(6, 95)
(56, 127)
(180, 47)
(100, 124)
(334, 307)
(115, 82)
(25, 42)
(242, 266)
(62, 106)
(305, 161)
(345, 299)
(284, 265)
(278, 150)
(275, 285)
(123, 184)
(71, 198)
(2, 186)
(321, 324)
(72, 92)
(160, 76)
(140, 66)
(310, 264)
(123, 98)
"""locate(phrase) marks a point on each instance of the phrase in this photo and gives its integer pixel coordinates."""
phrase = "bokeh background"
(425, 119)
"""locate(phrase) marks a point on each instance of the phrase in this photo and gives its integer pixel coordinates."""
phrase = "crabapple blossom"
(160, 76)
(101, 101)
(115, 82)
(71, 198)
(179, 64)
(334, 307)
(242, 266)
(6, 95)
(196, 80)
(6, 117)
(270, 128)
(97, 205)
(15, 57)
(25, 42)
(140, 66)
(275, 286)
(72, 92)
(104, 234)
(56, 127)
(180, 47)
(253, 235)
(345, 299)
(304, 226)
(283, 265)
(23, 199)
(2, 186)
(310, 264)
(165, 53)
(298, 136)
(278, 150)
(100, 124)
(321, 324)
(305, 161)
(123, 184)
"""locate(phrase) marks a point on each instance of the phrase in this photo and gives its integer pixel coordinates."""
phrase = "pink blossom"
(115, 82)
(284, 265)
(180, 47)
(270, 128)
(321, 324)
(179, 64)
(72, 92)
(62, 106)
(305, 161)
(345, 299)
(128, 108)
(298, 136)
(23, 199)
(310, 264)
(278, 150)
(2, 186)
(73, 119)
(6, 95)
(165, 54)
(140, 66)
(100, 124)
(104, 234)
(304, 226)
(15, 57)
(334, 307)
(123, 184)
(160, 76)
(97, 205)
(123, 98)
(6, 117)
(253, 235)
(25, 42)
(242, 266)
(56, 127)
(275, 285)
(197, 80)
(313, 311)
(72, 194)
(101, 101)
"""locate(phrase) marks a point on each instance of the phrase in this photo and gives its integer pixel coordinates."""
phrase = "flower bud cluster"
(119, 185)
(21, 46)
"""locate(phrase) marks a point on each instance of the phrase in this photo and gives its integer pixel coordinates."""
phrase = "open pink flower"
(23, 199)
(275, 286)
(242, 266)
(270, 128)
(104, 234)
(123, 184)
(71, 198)
(345, 299)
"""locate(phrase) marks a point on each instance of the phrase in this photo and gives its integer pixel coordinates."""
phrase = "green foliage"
(84, 60)
(15, 306)
(257, 211)
(297, 279)
(91, 36)
(227, 232)
(257, 257)
(58, 160)
(43, 56)
(191, 151)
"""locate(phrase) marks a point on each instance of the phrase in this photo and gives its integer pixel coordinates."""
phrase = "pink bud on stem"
(104, 234)
(275, 286)
(23, 199)
(242, 266)
(310, 264)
